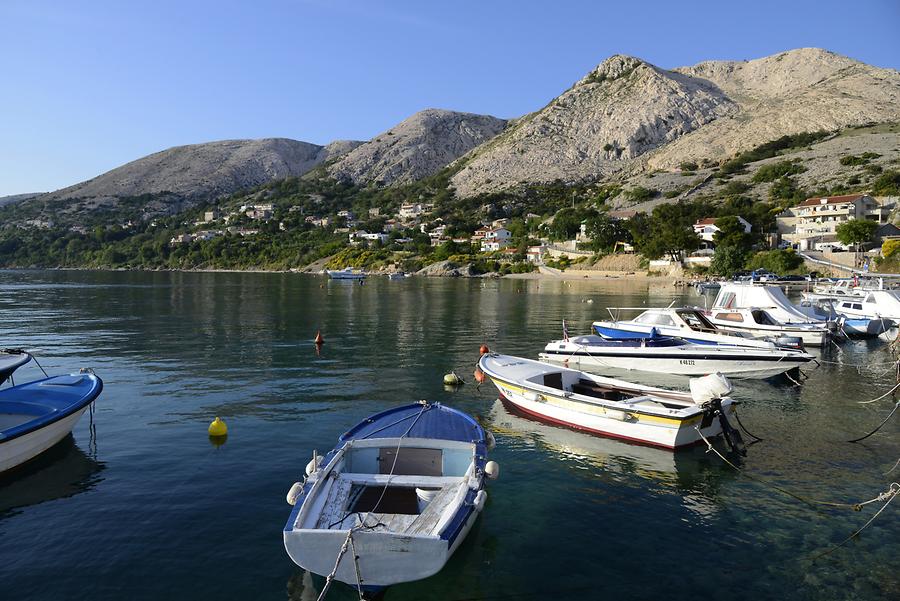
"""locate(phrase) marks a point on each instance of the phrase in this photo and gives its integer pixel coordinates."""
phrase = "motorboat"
(615, 408)
(393, 500)
(37, 415)
(875, 304)
(10, 361)
(689, 323)
(397, 275)
(844, 288)
(704, 287)
(347, 273)
(771, 298)
(673, 356)
(847, 313)
(761, 324)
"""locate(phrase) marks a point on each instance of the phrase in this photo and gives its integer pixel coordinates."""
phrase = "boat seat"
(592, 389)
(428, 519)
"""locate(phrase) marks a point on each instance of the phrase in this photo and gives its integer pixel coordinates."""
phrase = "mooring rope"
(886, 496)
(746, 431)
(330, 578)
(897, 404)
(896, 386)
(810, 502)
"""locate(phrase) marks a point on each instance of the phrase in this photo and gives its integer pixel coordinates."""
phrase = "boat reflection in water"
(685, 473)
(60, 472)
(300, 587)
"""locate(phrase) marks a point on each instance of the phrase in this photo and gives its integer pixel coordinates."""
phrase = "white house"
(495, 238)
(364, 236)
(815, 220)
(706, 228)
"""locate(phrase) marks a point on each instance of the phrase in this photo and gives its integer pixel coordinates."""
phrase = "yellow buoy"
(218, 428)
(452, 379)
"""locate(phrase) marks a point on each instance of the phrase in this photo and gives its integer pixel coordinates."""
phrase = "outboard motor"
(791, 342)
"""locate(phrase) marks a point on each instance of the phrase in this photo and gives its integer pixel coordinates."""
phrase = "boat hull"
(22, 449)
(809, 337)
(686, 364)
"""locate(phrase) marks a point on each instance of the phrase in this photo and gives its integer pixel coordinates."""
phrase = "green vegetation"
(863, 159)
(640, 194)
(887, 184)
(728, 260)
(856, 231)
(688, 166)
(769, 150)
(769, 173)
(777, 261)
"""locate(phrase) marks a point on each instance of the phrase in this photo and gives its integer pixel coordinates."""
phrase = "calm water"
(149, 509)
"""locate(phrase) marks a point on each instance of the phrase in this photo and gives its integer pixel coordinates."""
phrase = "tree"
(856, 231)
(667, 232)
(605, 232)
(731, 233)
(728, 260)
(566, 224)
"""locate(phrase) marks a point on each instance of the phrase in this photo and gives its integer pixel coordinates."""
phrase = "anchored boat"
(615, 408)
(688, 323)
(10, 361)
(393, 500)
(347, 273)
(672, 356)
(760, 323)
(37, 415)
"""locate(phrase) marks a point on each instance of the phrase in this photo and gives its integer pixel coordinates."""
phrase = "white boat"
(393, 500)
(848, 314)
(688, 323)
(760, 323)
(845, 288)
(37, 415)
(875, 304)
(398, 275)
(347, 273)
(614, 408)
(672, 356)
(10, 361)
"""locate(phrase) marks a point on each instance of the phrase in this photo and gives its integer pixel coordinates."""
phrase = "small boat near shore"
(615, 408)
(10, 361)
(347, 273)
(689, 323)
(37, 415)
(402, 488)
(759, 323)
(672, 356)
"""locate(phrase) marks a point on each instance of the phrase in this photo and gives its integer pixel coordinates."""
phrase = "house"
(258, 211)
(390, 225)
(206, 234)
(495, 239)
(535, 254)
(621, 214)
(411, 211)
(360, 236)
(181, 239)
(707, 229)
(815, 220)
(212, 215)
(348, 215)
(374, 212)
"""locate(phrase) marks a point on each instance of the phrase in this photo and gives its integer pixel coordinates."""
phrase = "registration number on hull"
(686, 361)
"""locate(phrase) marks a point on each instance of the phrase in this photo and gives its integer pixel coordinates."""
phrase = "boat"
(10, 361)
(844, 288)
(761, 324)
(847, 312)
(615, 408)
(673, 356)
(347, 273)
(398, 275)
(403, 487)
(875, 304)
(704, 287)
(689, 323)
(37, 415)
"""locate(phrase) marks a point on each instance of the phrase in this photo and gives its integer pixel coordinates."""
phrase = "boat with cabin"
(689, 323)
(36, 416)
(848, 314)
(347, 273)
(875, 304)
(760, 324)
(615, 408)
(393, 500)
(665, 354)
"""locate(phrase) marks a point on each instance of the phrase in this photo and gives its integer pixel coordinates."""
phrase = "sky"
(87, 86)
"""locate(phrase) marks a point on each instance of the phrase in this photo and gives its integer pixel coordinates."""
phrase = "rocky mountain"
(417, 147)
(627, 116)
(14, 198)
(204, 170)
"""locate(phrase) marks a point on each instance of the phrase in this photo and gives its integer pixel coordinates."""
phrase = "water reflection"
(62, 471)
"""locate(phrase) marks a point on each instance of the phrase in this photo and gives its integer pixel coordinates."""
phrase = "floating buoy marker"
(319, 339)
(452, 379)
(484, 350)
(217, 428)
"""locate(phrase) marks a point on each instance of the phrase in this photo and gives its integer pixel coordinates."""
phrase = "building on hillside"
(411, 211)
(348, 215)
(181, 239)
(815, 220)
(495, 239)
(259, 211)
(621, 214)
(374, 212)
(361, 236)
(706, 229)
(212, 215)
(535, 254)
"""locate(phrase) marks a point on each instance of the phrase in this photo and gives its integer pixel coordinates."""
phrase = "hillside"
(417, 147)
(627, 117)
(174, 179)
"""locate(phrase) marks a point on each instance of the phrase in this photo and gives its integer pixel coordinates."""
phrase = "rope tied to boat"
(891, 414)
(889, 495)
(330, 578)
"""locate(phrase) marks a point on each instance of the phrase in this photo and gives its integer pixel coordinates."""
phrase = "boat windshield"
(695, 320)
(654, 318)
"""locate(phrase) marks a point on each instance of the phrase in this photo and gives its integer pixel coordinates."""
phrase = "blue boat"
(393, 500)
(37, 415)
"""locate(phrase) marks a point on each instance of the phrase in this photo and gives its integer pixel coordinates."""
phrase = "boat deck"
(10, 420)
(351, 496)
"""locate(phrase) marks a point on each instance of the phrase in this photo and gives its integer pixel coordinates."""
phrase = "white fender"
(490, 440)
(480, 499)
(313, 464)
(492, 470)
(295, 491)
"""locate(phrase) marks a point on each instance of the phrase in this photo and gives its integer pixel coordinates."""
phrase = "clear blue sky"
(89, 85)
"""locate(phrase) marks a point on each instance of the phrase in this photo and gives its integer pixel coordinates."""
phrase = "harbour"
(141, 503)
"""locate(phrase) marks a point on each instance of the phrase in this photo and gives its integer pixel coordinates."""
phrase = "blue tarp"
(435, 421)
